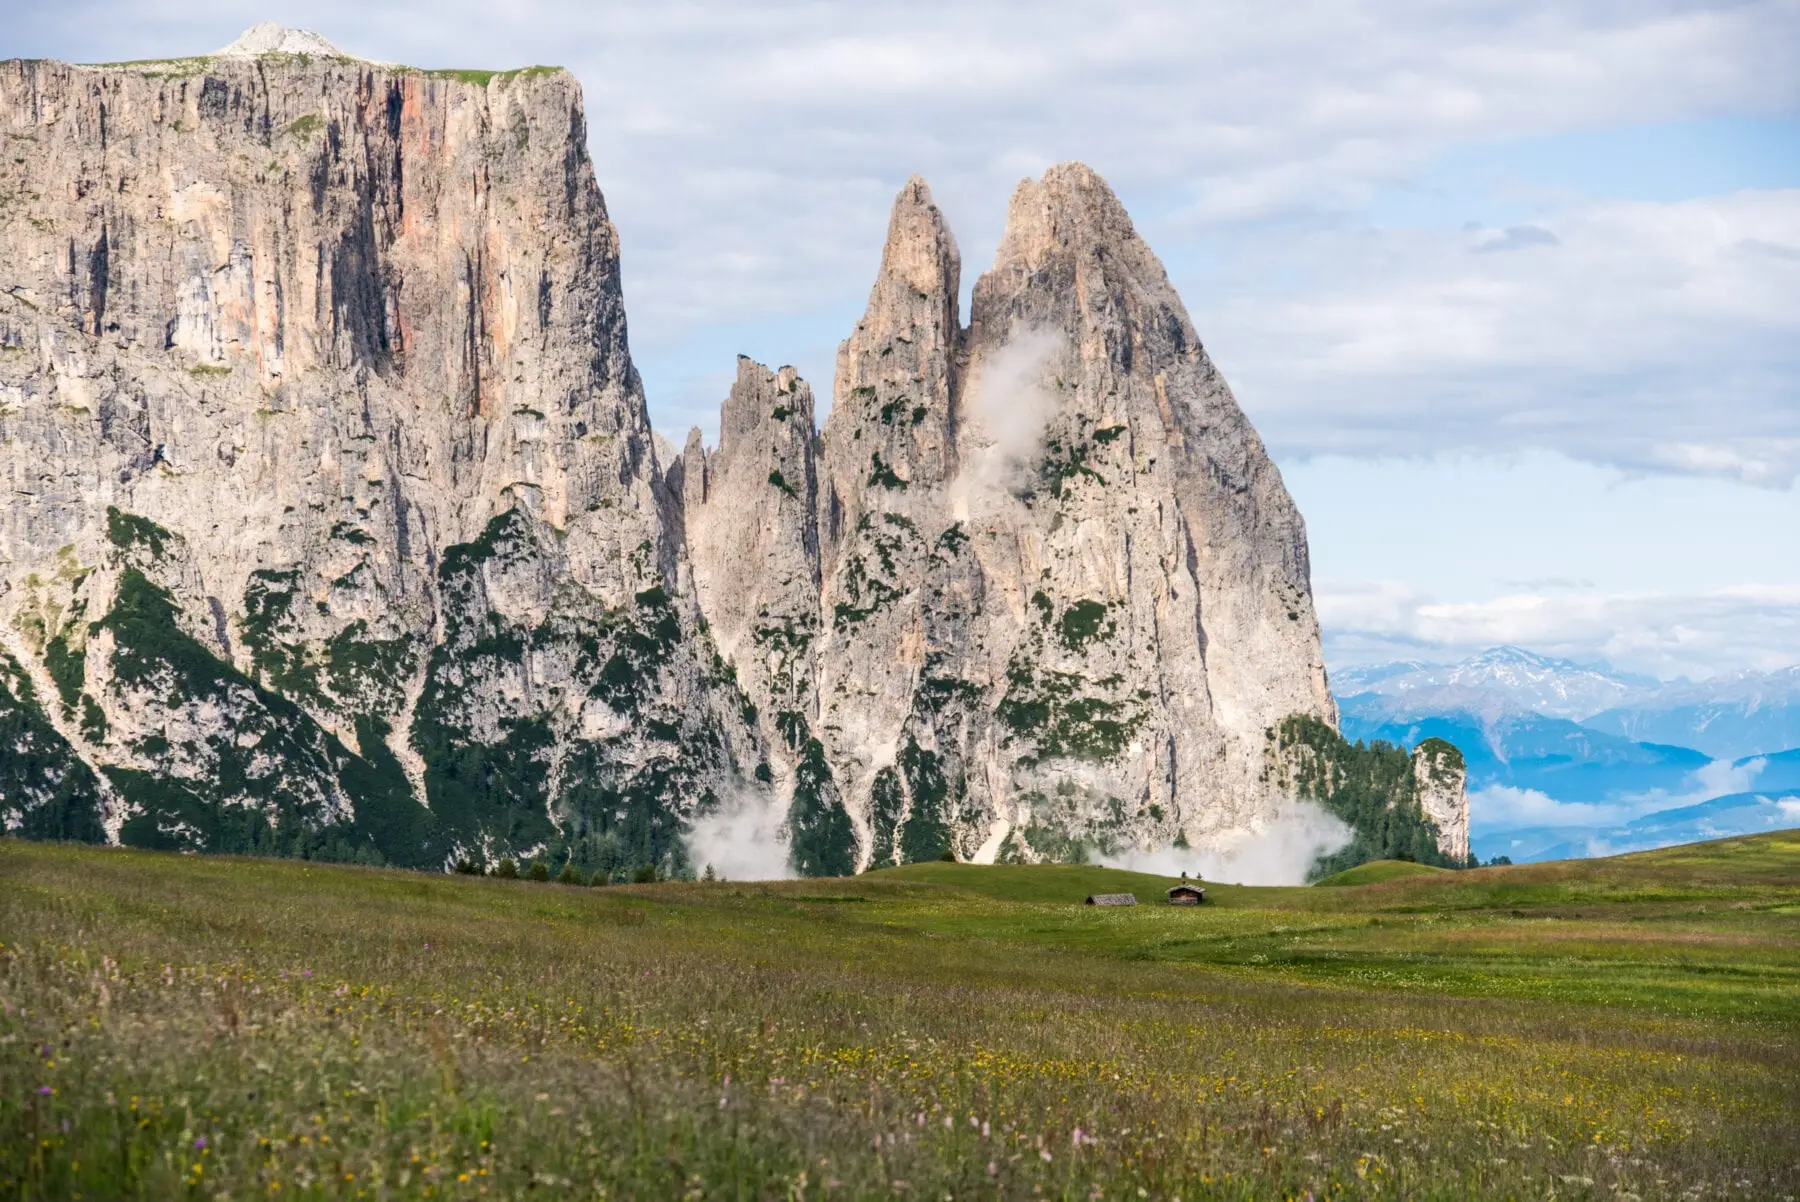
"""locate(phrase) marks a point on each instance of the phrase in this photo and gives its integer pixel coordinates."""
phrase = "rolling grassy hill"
(1376, 871)
(176, 1025)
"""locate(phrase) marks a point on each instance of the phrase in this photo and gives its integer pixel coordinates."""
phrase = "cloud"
(1661, 634)
(1517, 237)
(1722, 778)
(748, 153)
(743, 841)
(1007, 396)
(1651, 338)
(1767, 461)
(1009, 407)
(1281, 851)
(1505, 808)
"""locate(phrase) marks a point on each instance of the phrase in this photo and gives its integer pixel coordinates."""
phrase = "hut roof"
(1197, 892)
(1112, 899)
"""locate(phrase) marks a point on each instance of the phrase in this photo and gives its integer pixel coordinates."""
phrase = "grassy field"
(200, 1027)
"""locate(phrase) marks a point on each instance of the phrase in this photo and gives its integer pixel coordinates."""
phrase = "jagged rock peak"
(747, 405)
(1070, 209)
(920, 252)
(268, 37)
(752, 541)
(895, 371)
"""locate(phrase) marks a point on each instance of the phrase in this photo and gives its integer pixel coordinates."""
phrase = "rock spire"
(1063, 595)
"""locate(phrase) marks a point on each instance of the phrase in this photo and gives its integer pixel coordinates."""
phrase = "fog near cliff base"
(743, 840)
(1010, 407)
(1279, 851)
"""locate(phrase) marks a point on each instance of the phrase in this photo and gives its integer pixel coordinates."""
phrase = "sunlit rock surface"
(337, 526)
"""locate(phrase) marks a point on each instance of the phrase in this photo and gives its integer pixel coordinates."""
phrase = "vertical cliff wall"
(332, 490)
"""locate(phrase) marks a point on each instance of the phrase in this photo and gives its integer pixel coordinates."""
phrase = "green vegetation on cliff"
(823, 843)
(616, 801)
(1371, 786)
(270, 782)
(46, 790)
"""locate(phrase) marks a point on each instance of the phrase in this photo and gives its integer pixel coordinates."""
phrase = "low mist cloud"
(1281, 851)
(1007, 396)
(1505, 807)
(1009, 407)
(1722, 777)
(743, 841)
(1719, 778)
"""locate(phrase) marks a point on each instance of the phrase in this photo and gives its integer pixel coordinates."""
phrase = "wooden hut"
(1185, 894)
(1112, 899)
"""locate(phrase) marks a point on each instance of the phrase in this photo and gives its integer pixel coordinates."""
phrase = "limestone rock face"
(333, 495)
(337, 526)
(1442, 783)
(889, 450)
(1064, 596)
(752, 510)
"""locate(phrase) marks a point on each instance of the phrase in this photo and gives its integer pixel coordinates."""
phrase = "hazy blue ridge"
(1722, 729)
(1728, 717)
(1554, 756)
(1734, 814)
(1780, 771)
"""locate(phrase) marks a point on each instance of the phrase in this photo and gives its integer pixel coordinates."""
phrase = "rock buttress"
(348, 341)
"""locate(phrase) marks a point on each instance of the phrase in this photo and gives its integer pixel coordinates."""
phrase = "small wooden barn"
(1185, 894)
(1112, 899)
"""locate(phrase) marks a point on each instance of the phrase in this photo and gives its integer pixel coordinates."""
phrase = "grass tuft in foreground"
(187, 1026)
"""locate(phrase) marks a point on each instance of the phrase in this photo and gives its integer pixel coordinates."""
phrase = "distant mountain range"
(1500, 678)
(1728, 717)
(1522, 750)
(1569, 759)
(1750, 713)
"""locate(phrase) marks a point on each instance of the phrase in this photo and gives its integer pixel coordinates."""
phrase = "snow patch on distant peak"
(1501, 680)
(271, 38)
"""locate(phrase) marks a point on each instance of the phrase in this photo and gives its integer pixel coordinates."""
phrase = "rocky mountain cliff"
(338, 527)
(335, 523)
(1036, 585)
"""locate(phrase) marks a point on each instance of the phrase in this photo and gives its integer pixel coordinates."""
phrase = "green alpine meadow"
(457, 742)
(181, 1026)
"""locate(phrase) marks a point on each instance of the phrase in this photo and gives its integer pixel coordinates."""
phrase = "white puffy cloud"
(749, 152)
(743, 840)
(1279, 851)
(1657, 336)
(1663, 634)
(1505, 808)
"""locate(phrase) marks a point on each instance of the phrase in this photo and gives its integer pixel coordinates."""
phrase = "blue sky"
(1511, 291)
